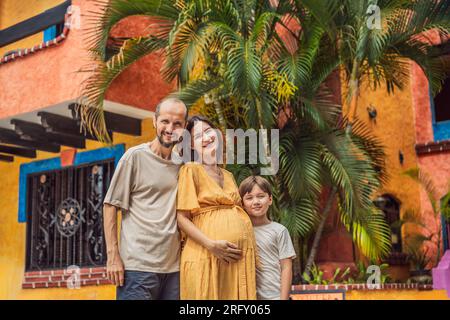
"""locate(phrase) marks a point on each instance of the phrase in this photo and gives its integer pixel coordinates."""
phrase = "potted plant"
(316, 276)
(420, 259)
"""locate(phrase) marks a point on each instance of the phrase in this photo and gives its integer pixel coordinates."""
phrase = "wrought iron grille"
(64, 223)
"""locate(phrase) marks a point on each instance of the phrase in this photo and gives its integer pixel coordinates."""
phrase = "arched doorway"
(391, 209)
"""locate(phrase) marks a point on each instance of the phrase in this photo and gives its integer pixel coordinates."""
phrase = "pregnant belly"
(225, 224)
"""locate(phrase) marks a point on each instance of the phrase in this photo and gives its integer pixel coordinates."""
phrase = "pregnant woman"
(218, 258)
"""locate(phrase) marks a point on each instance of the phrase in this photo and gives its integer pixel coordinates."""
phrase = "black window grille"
(64, 222)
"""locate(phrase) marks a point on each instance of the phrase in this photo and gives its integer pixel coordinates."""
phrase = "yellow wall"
(394, 127)
(15, 11)
(396, 295)
(13, 234)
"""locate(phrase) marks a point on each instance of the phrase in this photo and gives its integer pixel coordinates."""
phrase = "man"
(144, 188)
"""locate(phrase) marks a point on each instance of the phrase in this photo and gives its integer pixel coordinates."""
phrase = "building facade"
(51, 173)
(47, 165)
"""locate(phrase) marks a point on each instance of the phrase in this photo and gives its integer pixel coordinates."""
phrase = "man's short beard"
(166, 144)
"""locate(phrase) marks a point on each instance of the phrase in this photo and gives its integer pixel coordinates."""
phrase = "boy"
(275, 249)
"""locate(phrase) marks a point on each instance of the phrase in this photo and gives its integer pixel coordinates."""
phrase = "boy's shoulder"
(277, 226)
(274, 228)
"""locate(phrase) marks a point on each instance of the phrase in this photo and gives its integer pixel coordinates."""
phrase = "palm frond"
(426, 182)
(370, 232)
(301, 218)
(371, 146)
(412, 217)
(109, 13)
(195, 90)
(102, 74)
(300, 165)
(245, 65)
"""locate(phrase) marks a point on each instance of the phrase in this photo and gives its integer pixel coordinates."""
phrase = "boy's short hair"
(247, 185)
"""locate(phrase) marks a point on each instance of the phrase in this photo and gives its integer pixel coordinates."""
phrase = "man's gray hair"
(170, 99)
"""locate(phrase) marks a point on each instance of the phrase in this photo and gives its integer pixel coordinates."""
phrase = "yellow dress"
(217, 213)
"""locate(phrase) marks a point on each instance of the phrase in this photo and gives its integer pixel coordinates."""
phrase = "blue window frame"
(53, 31)
(440, 109)
(115, 152)
(50, 33)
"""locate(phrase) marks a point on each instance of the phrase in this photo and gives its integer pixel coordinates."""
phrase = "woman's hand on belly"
(224, 250)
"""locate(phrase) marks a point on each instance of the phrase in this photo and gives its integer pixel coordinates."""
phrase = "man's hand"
(225, 251)
(115, 269)
(114, 265)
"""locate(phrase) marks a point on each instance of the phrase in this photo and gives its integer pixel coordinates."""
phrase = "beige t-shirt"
(144, 185)
(274, 244)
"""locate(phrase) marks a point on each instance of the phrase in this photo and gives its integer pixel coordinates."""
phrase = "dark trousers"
(139, 285)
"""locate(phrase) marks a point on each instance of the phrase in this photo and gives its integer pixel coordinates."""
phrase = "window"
(64, 220)
(441, 103)
(53, 32)
(391, 209)
(441, 113)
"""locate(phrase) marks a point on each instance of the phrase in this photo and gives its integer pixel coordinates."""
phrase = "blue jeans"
(139, 285)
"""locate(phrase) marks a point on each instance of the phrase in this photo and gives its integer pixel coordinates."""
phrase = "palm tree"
(233, 65)
(366, 53)
(224, 36)
(383, 53)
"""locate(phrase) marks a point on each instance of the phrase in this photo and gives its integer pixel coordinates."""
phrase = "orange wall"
(396, 295)
(436, 166)
(394, 127)
(404, 119)
(142, 79)
(51, 76)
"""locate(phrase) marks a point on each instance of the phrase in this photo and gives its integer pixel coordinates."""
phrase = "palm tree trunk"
(265, 143)
(300, 254)
(353, 87)
(219, 111)
(319, 231)
(439, 233)
(352, 101)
